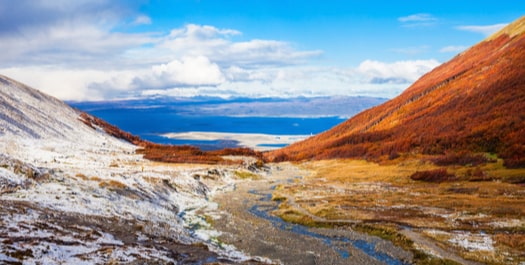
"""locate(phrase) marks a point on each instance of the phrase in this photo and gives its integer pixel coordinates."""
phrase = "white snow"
(95, 174)
(7, 177)
(472, 242)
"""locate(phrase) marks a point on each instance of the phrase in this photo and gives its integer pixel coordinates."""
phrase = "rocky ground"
(77, 203)
(459, 221)
(245, 221)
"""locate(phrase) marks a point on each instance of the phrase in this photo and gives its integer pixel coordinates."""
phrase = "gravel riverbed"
(245, 221)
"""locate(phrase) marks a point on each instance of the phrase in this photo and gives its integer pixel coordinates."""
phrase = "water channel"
(247, 223)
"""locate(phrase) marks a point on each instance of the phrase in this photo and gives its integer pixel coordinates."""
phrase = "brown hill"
(474, 102)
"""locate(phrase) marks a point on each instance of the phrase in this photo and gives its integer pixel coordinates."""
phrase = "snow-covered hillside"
(28, 113)
(73, 194)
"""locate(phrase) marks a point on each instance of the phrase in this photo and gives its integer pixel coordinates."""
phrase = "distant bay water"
(151, 123)
(151, 119)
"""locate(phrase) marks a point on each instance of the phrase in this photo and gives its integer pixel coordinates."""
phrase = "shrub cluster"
(436, 176)
(461, 158)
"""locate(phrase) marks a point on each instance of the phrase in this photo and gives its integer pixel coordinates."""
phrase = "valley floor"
(246, 220)
(63, 203)
(457, 221)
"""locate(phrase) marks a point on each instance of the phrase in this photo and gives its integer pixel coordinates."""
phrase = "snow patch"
(472, 242)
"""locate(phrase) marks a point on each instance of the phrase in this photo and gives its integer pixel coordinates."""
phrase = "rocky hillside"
(28, 113)
(71, 193)
(475, 102)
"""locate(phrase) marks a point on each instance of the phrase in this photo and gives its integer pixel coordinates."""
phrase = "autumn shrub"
(112, 130)
(477, 174)
(81, 176)
(514, 162)
(515, 179)
(514, 155)
(239, 151)
(436, 175)
(461, 158)
(515, 241)
(112, 184)
(178, 154)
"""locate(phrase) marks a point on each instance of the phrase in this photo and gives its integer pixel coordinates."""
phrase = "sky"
(115, 49)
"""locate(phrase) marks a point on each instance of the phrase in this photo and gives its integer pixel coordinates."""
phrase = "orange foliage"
(461, 158)
(112, 130)
(475, 102)
(436, 175)
(177, 154)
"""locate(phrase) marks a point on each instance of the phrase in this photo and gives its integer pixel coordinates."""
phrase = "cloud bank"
(421, 17)
(84, 50)
(418, 20)
(486, 30)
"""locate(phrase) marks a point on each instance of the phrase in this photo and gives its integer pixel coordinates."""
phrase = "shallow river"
(247, 223)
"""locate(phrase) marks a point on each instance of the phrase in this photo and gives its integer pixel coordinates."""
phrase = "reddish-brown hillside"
(474, 102)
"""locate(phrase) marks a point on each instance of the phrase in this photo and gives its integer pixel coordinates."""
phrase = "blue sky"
(104, 49)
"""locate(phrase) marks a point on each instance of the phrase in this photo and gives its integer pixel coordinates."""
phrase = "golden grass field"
(481, 220)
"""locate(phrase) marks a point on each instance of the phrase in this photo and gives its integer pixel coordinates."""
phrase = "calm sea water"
(150, 123)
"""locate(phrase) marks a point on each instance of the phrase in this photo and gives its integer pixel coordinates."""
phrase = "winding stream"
(246, 222)
(370, 248)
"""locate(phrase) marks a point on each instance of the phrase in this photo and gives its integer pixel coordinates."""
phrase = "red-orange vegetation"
(461, 158)
(178, 154)
(436, 175)
(239, 151)
(475, 103)
(112, 130)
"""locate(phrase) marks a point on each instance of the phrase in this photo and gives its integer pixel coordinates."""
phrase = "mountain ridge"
(474, 102)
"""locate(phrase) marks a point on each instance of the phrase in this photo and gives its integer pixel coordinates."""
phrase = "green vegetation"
(246, 175)
(385, 232)
(390, 233)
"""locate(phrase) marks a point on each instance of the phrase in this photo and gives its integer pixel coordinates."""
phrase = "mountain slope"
(26, 113)
(474, 102)
(71, 193)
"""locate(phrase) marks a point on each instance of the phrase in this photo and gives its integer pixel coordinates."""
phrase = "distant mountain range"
(475, 102)
(340, 106)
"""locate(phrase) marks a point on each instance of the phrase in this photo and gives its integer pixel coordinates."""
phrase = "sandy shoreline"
(256, 141)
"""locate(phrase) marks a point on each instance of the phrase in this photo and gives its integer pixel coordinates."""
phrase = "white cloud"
(74, 34)
(214, 43)
(371, 78)
(420, 17)
(62, 83)
(418, 20)
(74, 50)
(189, 71)
(402, 72)
(142, 20)
(453, 49)
(194, 76)
(486, 30)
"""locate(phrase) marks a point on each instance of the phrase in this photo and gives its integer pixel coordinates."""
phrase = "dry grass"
(242, 174)
(385, 194)
(513, 241)
(81, 176)
(112, 184)
(95, 178)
